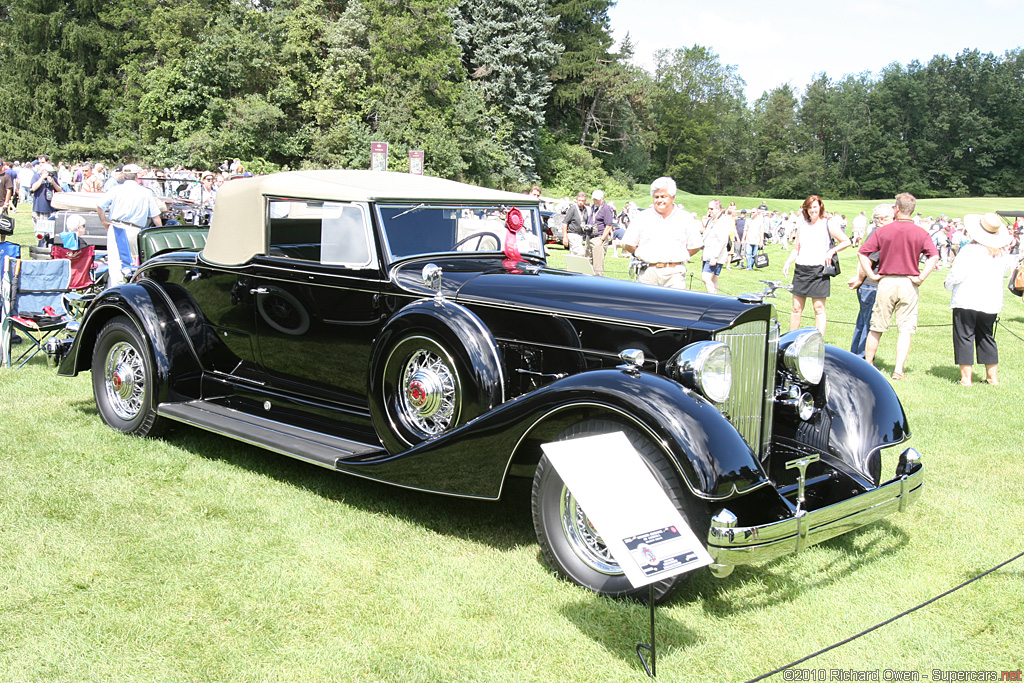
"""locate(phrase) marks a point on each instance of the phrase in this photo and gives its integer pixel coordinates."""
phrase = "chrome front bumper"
(731, 545)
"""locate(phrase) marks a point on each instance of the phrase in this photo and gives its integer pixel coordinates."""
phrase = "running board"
(303, 444)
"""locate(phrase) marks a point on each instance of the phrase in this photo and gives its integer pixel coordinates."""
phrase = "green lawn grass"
(192, 557)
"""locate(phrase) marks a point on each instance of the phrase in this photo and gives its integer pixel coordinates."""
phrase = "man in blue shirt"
(44, 185)
(124, 211)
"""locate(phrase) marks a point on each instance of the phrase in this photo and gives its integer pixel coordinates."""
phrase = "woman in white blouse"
(976, 280)
(813, 249)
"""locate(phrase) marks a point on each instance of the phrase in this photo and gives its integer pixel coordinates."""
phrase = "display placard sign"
(378, 156)
(638, 523)
(416, 161)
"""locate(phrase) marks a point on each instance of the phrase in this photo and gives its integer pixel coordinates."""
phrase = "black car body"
(377, 324)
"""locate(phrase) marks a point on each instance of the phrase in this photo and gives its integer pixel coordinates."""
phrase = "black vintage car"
(408, 330)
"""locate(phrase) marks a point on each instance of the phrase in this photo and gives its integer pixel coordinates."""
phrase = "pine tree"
(507, 49)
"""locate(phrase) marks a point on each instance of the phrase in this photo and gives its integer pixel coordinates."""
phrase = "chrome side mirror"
(432, 279)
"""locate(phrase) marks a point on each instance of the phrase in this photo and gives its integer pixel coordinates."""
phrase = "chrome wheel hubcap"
(429, 393)
(125, 379)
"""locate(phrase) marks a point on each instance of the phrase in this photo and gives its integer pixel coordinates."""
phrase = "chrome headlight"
(803, 354)
(705, 367)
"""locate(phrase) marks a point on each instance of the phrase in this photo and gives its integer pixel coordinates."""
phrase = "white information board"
(637, 522)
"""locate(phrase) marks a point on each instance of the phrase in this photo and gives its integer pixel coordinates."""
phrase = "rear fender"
(145, 305)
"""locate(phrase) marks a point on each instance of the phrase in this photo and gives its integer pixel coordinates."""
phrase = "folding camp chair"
(81, 264)
(12, 249)
(32, 293)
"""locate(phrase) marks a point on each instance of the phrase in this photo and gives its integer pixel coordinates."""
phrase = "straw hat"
(988, 230)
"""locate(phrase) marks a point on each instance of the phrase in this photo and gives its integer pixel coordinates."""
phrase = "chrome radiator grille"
(751, 401)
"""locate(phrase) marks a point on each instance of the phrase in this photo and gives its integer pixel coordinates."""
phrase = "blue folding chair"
(33, 303)
(12, 249)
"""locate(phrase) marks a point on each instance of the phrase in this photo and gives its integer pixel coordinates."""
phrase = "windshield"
(413, 229)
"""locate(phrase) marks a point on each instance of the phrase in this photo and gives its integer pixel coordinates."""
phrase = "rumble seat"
(153, 241)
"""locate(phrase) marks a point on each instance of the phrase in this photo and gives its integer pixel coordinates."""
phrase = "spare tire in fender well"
(452, 332)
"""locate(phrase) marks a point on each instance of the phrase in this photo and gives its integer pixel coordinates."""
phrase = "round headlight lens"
(805, 355)
(716, 377)
(705, 367)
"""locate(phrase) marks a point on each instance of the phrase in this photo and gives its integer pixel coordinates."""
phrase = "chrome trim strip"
(730, 546)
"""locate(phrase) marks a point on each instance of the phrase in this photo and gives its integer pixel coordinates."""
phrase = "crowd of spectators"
(36, 181)
(664, 238)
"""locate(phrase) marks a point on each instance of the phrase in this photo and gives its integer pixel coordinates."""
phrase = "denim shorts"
(715, 270)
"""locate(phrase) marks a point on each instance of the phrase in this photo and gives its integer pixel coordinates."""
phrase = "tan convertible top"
(237, 230)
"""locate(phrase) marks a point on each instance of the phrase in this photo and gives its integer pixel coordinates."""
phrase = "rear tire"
(573, 548)
(122, 378)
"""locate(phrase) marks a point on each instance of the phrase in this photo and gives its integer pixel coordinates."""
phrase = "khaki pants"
(673, 277)
(597, 256)
(896, 301)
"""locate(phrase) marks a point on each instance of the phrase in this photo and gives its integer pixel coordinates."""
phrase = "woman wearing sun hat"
(976, 281)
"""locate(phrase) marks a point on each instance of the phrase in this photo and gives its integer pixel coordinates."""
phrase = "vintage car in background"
(407, 329)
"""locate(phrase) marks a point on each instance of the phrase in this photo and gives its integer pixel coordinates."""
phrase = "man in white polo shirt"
(664, 237)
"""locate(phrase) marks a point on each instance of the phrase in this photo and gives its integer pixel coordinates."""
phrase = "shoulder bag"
(832, 269)
(6, 224)
(1016, 284)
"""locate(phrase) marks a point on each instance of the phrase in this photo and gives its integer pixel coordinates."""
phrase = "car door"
(316, 300)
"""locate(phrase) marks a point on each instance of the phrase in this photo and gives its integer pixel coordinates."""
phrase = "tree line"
(501, 93)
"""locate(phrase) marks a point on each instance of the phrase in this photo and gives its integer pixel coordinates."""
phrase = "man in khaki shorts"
(664, 237)
(900, 245)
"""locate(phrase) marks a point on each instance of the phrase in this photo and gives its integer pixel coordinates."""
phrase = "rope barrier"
(886, 622)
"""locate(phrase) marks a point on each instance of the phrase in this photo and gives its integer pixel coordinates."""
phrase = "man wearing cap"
(124, 211)
(900, 245)
(664, 237)
(115, 179)
(601, 216)
(203, 195)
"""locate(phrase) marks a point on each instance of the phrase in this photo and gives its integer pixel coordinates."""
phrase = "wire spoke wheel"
(584, 539)
(124, 378)
(428, 397)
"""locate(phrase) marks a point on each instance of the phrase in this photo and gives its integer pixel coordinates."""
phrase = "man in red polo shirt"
(900, 245)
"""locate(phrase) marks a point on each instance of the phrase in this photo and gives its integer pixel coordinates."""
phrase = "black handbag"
(832, 268)
(6, 224)
(761, 259)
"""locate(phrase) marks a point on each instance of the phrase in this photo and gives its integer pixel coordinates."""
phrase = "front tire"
(122, 378)
(570, 543)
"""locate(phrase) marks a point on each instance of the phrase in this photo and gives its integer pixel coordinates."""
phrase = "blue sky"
(772, 43)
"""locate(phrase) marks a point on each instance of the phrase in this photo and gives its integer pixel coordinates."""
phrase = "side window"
(345, 235)
(325, 232)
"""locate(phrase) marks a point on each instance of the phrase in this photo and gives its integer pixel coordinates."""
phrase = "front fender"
(865, 414)
(712, 458)
(144, 304)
